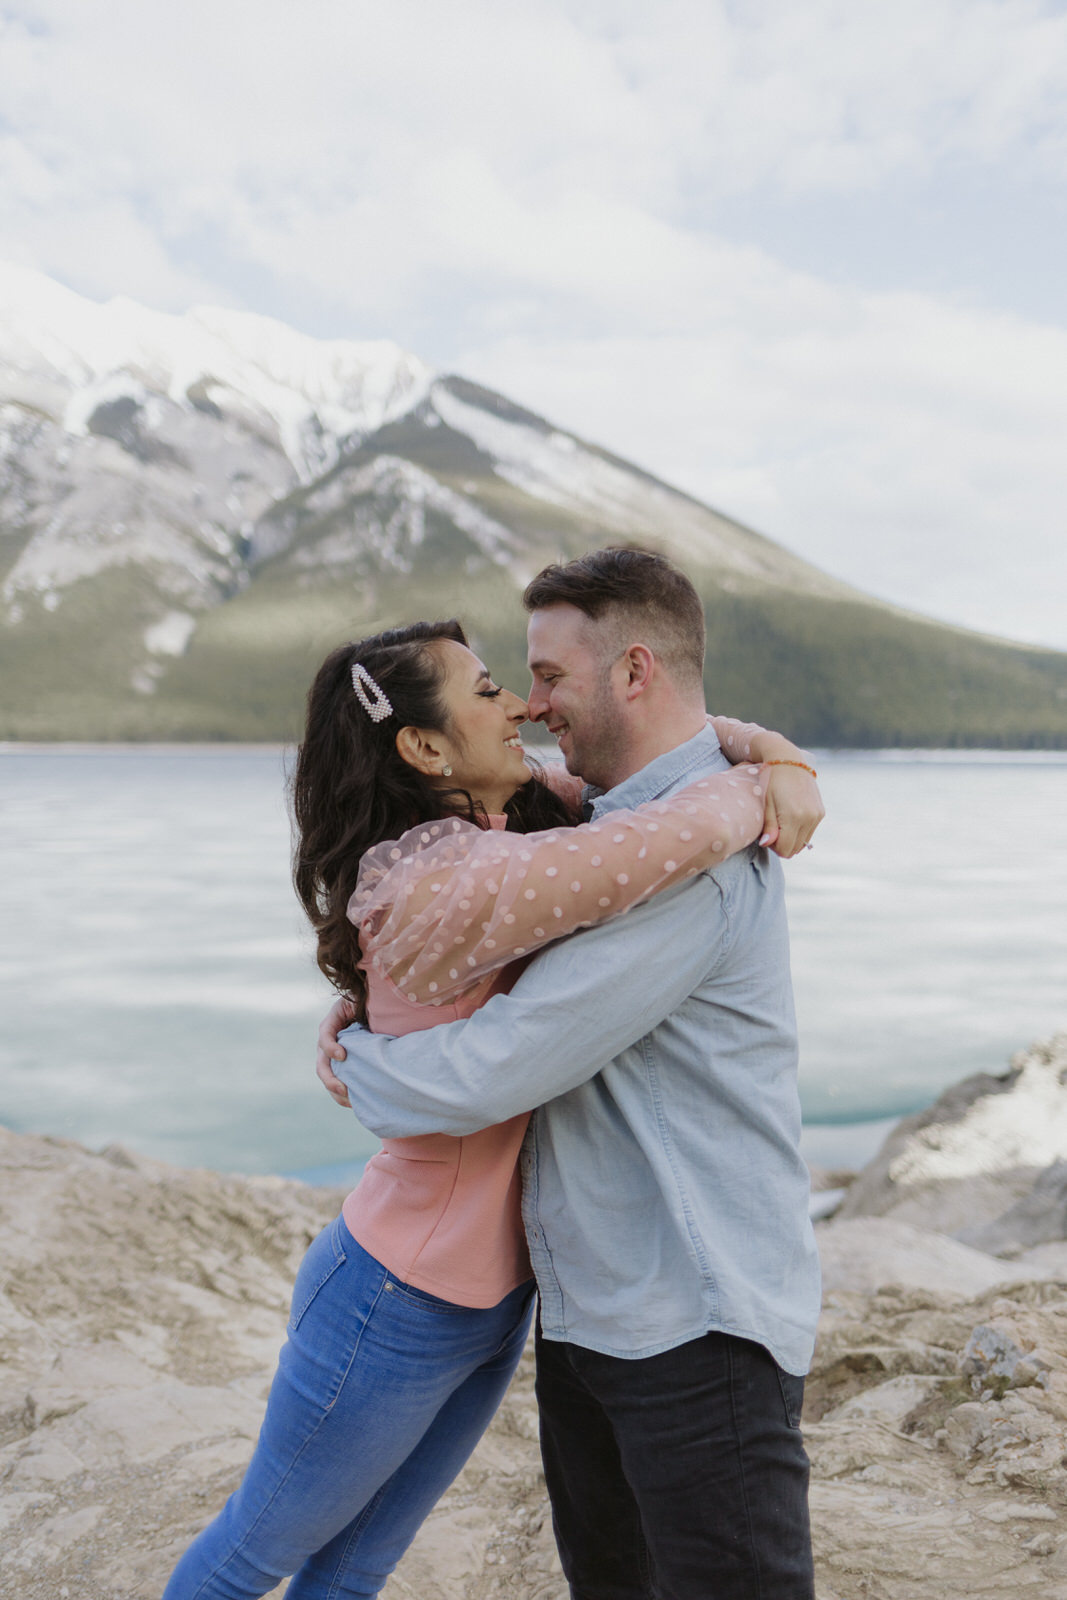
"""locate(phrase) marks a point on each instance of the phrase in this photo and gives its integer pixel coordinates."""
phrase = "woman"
(410, 1310)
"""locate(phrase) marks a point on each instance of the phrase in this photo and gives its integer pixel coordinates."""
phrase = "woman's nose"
(518, 710)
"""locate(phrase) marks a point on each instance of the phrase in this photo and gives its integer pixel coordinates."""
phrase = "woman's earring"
(446, 772)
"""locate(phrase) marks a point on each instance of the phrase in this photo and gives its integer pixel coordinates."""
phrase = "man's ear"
(638, 663)
(421, 749)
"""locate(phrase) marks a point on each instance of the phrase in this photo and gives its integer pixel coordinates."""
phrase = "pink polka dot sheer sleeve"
(735, 737)
(448, 902)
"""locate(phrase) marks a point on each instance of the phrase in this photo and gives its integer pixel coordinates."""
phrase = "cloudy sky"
(803, 258)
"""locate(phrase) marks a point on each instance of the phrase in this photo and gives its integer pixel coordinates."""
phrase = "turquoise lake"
(158, 987)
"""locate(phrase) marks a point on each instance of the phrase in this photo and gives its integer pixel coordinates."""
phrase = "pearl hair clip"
(378, 708)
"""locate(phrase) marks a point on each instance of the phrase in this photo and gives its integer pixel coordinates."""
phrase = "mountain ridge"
(194, 509)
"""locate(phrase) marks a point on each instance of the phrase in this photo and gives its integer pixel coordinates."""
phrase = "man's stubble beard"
(597, 753)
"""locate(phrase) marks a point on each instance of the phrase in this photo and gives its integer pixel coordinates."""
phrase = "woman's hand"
(340, 1015)
(792, 809)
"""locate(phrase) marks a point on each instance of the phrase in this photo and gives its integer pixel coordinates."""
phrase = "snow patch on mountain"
(170, 636)
(390, 500)
(546, 465)
(86, 401)
(317, 393)
(353, 387)
(555, 467)
(103, 525)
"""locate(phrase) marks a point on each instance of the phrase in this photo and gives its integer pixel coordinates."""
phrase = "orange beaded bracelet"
(784, 763)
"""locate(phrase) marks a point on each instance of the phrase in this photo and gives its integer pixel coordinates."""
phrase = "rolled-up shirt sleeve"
(577, 1006)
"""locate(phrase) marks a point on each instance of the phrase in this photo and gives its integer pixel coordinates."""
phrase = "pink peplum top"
(447, 915)
(442, 1213)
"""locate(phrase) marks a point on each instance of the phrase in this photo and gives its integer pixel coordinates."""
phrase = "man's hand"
(341, 1013)
(792, 810)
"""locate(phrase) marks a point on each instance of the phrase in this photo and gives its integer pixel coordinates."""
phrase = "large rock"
(141, 1309)
(975, 1154)
(1040, 1217)
(867, 1253)
(935, 1427)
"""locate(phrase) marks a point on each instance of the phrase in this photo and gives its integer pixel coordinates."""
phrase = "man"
(664, 1197)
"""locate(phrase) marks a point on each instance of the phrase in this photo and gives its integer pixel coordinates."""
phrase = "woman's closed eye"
(491, 694)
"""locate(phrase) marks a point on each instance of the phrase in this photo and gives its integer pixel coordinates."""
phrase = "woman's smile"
(483, 717)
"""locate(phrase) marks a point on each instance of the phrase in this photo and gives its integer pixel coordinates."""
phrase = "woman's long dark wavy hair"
(351, 788)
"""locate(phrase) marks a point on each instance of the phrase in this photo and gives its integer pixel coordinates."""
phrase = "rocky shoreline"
(141, 1308)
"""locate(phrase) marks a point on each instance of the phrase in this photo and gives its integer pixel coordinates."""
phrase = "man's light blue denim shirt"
(663, 1191)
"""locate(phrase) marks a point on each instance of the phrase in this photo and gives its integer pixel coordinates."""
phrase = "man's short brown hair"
(653, 598)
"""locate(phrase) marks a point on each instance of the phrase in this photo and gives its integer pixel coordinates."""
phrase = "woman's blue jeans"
(380, 1396)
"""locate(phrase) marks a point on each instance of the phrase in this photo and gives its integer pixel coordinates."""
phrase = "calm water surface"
(158, 986)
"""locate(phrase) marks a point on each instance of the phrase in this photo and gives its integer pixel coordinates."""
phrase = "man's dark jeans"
(680, 1476)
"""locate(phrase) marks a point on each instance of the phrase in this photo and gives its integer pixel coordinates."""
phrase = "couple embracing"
(610, 1117)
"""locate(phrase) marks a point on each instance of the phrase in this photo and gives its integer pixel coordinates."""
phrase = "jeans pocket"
(324, 1255)
(792, 1395)
(407, 1293)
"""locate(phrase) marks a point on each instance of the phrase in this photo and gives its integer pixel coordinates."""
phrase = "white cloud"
(348, 109)
(531, 193)
(813, 94)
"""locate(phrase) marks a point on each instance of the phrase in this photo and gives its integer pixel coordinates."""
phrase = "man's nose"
(537, 705)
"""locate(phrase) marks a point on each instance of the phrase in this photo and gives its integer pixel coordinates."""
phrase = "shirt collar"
(666, 772)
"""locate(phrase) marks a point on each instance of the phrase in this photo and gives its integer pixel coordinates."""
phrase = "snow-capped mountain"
(307, 395)
(193, 507)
